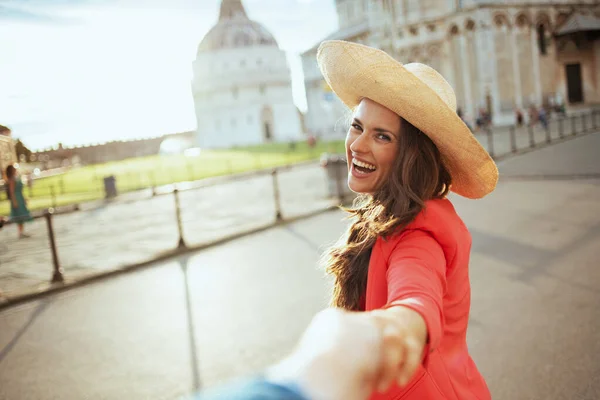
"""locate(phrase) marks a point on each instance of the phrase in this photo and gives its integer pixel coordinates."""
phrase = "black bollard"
(490, 138)
(181, 243)
(531, 137)
(57, 275)
(276, 196)
(560, 128)
(513, 139)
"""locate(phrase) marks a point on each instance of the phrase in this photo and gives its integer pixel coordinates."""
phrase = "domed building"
(242, 85)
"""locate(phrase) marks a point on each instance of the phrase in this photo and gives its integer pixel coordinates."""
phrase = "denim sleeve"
(254, 389)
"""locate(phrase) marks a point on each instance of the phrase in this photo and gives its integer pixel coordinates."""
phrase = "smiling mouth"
(362, 167)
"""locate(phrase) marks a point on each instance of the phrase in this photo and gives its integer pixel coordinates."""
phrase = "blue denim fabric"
(254, 389)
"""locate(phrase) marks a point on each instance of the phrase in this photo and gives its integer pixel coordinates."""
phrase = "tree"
(22, 150)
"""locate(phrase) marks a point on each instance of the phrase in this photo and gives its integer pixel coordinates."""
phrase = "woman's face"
(371, 146)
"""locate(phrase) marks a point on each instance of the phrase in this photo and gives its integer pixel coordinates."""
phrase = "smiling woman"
(405, 257)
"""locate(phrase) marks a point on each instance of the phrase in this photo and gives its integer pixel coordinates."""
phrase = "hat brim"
(354, 71)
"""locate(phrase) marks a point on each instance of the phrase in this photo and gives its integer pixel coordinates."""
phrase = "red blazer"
(426, 267)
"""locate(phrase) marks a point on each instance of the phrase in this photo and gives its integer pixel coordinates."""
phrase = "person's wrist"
(309, 377)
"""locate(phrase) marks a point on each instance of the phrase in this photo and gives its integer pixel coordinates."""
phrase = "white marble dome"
(236, 33)
(242, 84)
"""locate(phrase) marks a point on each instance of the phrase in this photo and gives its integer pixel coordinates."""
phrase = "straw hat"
(420, 95)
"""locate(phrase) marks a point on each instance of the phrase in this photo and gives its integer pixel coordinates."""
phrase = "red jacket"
(426, 267)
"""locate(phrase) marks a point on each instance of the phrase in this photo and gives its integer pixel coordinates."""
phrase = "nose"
(360, 144)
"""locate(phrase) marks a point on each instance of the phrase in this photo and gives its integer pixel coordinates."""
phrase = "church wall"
(589, 72)
(474, 76)
(596, 66)
(501, 52)
(524, 57)
(506, 84)
(549, 69)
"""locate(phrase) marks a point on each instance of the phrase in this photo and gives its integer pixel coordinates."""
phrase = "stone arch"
(453, 30)
(415, 53)
(266, 118)
(561, 17)
(470, 25)
(434, 56)
(433, 50)
(522, 21)
(501, 20)
(543, 19)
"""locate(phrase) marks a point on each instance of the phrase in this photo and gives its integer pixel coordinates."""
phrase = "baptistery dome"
(235, 30)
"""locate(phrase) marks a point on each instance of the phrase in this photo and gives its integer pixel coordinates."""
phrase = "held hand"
(338, 357)
(404, 339)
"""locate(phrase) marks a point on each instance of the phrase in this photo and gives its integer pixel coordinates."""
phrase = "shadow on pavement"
(195, 372)
(39, 309)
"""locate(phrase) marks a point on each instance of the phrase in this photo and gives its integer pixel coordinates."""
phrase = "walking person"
(405, 257)
(19, 213)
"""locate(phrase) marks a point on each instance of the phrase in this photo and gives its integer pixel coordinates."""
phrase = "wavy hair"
(418, 175)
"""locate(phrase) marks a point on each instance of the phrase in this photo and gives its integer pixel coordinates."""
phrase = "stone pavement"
(124, 233)
(233, 309)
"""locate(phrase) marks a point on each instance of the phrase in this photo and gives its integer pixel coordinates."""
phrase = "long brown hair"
(418, 175)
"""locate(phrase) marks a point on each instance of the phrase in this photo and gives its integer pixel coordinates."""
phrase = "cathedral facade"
(499, 56)
(242, 85)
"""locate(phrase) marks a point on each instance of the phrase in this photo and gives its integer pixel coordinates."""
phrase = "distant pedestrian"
(19, 213)
(533, 115)
(519, 117)
(543, 117)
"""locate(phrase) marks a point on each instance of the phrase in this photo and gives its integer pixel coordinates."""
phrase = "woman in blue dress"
(19, 213)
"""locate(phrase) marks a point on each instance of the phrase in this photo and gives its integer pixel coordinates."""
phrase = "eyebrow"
(379, 130)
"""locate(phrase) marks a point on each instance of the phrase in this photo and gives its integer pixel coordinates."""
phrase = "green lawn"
(86, 183)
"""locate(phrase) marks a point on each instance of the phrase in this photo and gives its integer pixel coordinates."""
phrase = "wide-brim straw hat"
(420, 95)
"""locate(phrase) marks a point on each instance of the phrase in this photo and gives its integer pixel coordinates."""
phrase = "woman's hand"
(404, 338)
(338, 357)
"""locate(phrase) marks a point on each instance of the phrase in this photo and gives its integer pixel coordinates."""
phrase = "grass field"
(87, 183)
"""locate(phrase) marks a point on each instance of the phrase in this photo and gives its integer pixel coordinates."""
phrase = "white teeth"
(364, 165)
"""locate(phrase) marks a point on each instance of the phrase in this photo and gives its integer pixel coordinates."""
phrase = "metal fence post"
(548, 136)
(594, 118)
(276, 196)
(490, 138)
(181, 243)
(531, 137)
(57, 275)
(573, 131)
(583, 123)
(513, 139)
(560, 128)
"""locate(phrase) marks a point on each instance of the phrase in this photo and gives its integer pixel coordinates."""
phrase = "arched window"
(541, 32)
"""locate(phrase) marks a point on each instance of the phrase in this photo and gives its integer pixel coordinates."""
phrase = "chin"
(359, 188)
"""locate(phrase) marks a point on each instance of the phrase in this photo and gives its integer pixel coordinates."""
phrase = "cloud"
(23, 15)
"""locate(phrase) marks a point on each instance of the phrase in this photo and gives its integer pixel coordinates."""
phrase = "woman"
(405, 257)
(19, 213)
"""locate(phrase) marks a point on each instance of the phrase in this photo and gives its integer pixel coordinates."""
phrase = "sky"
(91, 71)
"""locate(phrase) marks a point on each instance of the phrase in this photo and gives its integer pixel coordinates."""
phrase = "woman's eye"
(383, 136)
(356, 126)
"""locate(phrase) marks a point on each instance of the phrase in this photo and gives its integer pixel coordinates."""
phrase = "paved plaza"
(228, 311)
(125, 233)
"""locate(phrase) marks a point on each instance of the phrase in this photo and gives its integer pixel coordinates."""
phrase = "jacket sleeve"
(416, 278)
(252, 389)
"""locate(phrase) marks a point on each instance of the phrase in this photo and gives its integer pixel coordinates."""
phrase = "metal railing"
(184, 217)
(502, 142)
